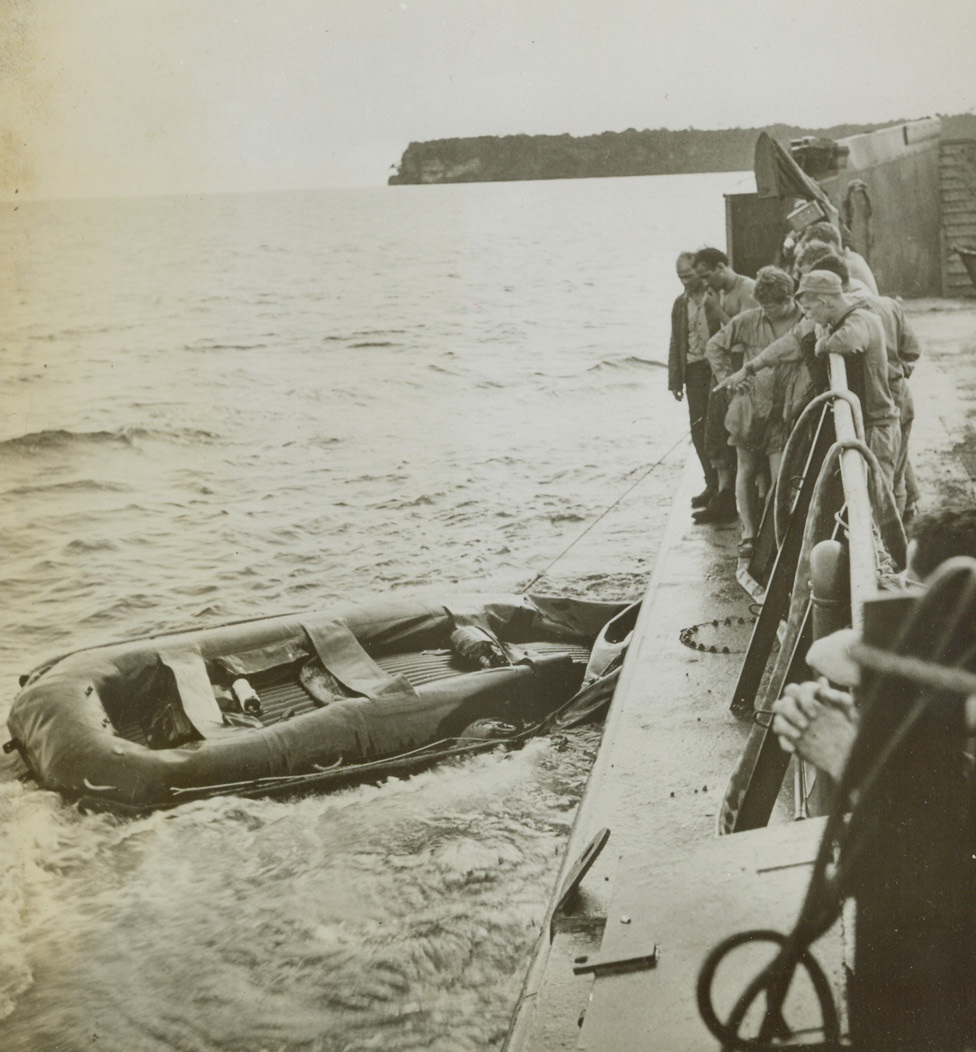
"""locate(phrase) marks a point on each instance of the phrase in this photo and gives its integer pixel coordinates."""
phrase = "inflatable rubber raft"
(307, 700)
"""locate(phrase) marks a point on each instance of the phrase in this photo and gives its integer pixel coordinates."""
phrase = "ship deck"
(664, 879)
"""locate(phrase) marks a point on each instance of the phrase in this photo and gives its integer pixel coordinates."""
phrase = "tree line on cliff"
(659, 151)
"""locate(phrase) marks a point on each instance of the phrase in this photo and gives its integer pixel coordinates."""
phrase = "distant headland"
(658, 151)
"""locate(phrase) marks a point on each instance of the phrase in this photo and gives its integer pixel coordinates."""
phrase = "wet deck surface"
(670, 742)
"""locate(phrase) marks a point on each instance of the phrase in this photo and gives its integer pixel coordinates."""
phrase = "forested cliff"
(490, 158)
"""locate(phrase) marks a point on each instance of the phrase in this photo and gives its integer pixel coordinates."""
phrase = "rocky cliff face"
(489, 158)
(434, 169)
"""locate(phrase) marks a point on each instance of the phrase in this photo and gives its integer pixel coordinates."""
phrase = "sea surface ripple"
(223, 407)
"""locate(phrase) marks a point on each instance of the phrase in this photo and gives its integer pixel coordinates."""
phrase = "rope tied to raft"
(569, 547)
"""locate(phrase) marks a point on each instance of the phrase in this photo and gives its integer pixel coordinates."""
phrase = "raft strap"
(195, 690)
(343, 655)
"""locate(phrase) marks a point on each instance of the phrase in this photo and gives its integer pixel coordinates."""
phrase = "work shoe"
(701, 500)
(721, 508)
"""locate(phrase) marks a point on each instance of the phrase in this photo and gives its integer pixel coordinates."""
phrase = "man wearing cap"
(828, 232)
(854, 331)
(903, 351)
(809, 257)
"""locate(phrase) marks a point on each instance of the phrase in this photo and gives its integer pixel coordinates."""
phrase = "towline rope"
(657, 463)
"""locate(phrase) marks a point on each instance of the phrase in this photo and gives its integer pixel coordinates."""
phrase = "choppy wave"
(366, 337)
(64, 441)
(629, 363)
(421, 500)
(85, 546)
(73, 486)
(401, 910)
(84, 330)
(215, 345)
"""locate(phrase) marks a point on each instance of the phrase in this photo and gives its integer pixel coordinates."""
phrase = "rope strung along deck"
(657, 463)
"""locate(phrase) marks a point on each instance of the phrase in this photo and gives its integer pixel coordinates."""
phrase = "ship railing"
(861, 529)
(838, 533)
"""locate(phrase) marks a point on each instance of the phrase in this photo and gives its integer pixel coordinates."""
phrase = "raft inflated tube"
(68, 717)
(85, 753)
(611, 644)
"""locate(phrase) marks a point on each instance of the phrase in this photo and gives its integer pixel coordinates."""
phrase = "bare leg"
(745, 491)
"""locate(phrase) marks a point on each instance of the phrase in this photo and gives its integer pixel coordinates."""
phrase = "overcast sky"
(108, 97)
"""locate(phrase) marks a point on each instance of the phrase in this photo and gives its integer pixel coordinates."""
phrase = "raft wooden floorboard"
(283, 699)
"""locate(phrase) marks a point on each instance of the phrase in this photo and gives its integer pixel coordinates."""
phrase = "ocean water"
(224, 407)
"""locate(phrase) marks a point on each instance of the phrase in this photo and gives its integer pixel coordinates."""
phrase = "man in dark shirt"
(694, 318)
